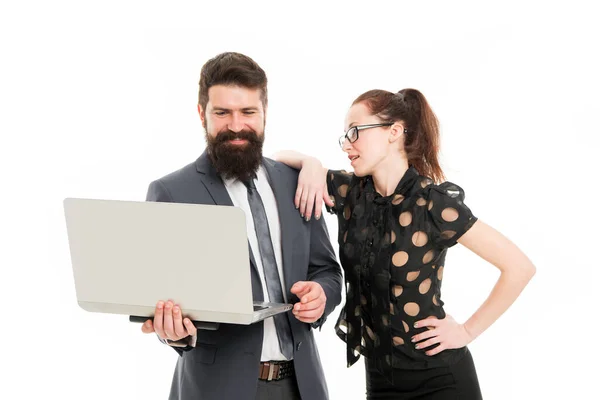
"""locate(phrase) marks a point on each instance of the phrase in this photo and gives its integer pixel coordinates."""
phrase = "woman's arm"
(516, 270)
(312, 185)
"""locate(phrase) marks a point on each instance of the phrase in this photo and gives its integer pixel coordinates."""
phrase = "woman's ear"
(396, 131)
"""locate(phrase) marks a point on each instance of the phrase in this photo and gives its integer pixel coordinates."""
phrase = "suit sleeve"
(324, 268)
(157, 191)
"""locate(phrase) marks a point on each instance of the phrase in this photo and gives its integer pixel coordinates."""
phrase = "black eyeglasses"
(352, 133)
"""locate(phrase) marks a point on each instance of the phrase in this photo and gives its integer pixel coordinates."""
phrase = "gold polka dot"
(440, 273)
(421, 201)
(343, 190)
(449, 214)
(357, 311)
(398, 290)
(426, 182)
(392, 309)
(345, 236)
(332, 198)
(435, 300)
(405, 326)
(363, 300)
(385, 320)
(419, 238)
(347, 212)
(411, 309)
(331, 176)
(343, 326)
(405, 218)
(393, 237)
(428, 256)
(398, 341)
(411, 276)
(448, 234)
(370, 332)
(400, 258)
(397, 199)
(430, 206)
(425, 286)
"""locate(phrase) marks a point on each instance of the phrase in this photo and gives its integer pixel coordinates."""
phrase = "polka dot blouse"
(393, 252)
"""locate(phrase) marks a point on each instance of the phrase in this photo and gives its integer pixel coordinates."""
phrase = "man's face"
(234, 121)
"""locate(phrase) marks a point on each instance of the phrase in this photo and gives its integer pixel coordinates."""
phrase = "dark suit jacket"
(224, 364)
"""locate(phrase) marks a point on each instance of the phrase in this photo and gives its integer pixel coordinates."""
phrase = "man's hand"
(312, 301)
(168, 322)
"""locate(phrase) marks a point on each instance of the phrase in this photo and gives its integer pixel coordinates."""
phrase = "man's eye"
(249, 112)
(220, 112)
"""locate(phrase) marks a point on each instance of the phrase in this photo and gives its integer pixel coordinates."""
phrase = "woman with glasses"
(396, 222)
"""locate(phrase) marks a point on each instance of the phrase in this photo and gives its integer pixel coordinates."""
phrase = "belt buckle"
(270, 377)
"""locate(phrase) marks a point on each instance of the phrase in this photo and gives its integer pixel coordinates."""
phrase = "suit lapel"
(215, 187)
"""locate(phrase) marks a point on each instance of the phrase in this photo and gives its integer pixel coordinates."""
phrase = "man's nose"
(236, 124)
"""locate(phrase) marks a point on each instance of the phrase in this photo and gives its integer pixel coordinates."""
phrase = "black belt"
(275, 370)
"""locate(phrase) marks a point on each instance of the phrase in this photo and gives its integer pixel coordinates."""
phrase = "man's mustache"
(227, 135)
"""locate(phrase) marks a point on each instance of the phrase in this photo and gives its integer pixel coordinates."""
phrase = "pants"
(284, 389)
(455, 382)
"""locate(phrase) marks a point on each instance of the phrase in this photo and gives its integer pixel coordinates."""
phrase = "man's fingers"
(180, 331)
(189, 327)
(314, 292)
(148, 327)
(311, 305)
(299, 288)
(158, 320)
(310, 316)
(313, 313)
(168, 321)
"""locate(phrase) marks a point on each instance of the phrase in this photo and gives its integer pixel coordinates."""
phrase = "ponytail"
(422, 143)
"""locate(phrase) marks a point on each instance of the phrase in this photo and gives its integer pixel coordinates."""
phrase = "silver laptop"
(127, 255)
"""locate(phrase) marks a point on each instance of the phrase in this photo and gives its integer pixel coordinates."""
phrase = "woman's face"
(373, 144)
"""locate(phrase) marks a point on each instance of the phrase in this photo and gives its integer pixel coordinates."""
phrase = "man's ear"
(201, 113)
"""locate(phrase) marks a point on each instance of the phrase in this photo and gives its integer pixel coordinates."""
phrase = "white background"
(99, 98)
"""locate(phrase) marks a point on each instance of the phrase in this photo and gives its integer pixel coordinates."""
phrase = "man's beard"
(235, 161)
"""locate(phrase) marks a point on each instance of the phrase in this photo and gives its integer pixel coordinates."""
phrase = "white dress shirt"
(239, 196)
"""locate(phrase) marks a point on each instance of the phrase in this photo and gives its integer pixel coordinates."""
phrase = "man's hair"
(231, 69)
